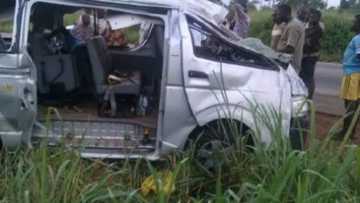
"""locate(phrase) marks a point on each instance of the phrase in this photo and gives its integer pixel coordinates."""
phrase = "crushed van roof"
(205, 8)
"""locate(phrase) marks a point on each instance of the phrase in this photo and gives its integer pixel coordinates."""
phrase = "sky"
(333, 2)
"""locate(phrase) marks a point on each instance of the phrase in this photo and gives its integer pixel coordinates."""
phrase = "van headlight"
(300, 107)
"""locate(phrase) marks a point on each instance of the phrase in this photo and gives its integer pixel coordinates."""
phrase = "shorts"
(350, 87)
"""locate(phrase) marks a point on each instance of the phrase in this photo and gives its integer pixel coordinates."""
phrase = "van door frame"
(17, 87)
(117, 7)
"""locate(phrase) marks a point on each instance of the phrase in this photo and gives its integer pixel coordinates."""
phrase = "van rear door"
(17, 77)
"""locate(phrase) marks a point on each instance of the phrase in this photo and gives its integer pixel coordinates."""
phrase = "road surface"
(328, 81)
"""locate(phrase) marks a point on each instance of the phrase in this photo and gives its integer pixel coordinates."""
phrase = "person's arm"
(288, 49)
(293, 38)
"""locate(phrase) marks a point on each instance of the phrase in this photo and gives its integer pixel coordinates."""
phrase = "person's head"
(302, 14)
(88, 11)
(356, 25)
(282, 13)
(314, 16)
(101, 13)
(85, 20)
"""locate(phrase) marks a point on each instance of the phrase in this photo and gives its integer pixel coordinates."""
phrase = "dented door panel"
(17, 99)
(222, 90)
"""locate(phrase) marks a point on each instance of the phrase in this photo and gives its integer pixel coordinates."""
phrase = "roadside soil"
(324, 122)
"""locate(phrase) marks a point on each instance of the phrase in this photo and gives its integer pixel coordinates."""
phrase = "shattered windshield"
(252, 44)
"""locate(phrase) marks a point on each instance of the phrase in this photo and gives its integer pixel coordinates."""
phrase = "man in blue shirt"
(350, 88)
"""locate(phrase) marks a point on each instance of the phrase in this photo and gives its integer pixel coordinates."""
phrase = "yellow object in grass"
(166, 184)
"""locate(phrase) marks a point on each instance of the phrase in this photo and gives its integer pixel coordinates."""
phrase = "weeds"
(325, 172)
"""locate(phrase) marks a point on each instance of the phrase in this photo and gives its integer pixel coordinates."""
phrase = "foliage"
(336, 37)
(6, 26)
(349, 4)
(296, 3)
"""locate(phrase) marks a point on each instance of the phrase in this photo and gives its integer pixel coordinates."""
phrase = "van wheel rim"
(213, 154)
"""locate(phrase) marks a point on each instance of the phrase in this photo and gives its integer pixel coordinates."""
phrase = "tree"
(347, 4)
(319, 4)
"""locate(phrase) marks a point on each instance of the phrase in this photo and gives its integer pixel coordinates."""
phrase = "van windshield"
(7, 9)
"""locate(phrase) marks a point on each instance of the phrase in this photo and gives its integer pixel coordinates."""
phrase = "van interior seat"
(59, 70)
(56, 73)
(101, 65)
(147, 59)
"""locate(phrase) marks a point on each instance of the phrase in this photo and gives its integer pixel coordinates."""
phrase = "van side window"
(205, 44)
(209, 45)
(7, 10)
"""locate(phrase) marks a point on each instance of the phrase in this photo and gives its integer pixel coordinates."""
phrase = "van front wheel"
(215, 144)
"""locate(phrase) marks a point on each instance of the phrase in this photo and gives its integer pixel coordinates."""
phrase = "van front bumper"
(299, 130)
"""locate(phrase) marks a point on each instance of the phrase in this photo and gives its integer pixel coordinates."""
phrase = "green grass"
(326, 172)
(6, 26)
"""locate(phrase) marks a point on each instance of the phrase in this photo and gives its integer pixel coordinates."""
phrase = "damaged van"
(162, 72)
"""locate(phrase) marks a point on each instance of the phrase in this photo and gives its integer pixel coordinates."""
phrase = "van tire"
(218, 137)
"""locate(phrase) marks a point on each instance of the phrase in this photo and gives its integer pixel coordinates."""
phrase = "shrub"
(337, 35)
(261, 25)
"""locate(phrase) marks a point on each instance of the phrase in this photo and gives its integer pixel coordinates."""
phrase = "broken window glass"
(208, 45)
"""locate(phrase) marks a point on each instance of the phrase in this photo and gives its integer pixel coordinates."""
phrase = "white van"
(145, 90)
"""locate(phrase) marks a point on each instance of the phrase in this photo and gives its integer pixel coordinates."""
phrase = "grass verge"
(326, 172)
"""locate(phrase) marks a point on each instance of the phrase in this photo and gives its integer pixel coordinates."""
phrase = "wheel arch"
(214, 116)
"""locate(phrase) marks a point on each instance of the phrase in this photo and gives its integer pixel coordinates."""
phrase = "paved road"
(328, 78)
(328, 81)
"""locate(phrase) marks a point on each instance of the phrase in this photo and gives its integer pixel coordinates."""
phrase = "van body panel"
(229, 91)
(178, 118)
(18, 101)
(18, 105)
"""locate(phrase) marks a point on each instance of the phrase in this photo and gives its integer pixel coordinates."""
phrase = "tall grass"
(326, 172)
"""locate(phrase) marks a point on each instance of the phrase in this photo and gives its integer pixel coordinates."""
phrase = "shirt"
(351, 62)
(82, 33)
(276, 34)
(102, 25)
(294, 36)
(313, 34)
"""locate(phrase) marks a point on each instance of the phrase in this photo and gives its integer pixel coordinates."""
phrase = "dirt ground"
(326, 121)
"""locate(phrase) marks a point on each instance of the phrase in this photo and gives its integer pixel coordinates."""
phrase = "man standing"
(293, 36)
(313, 34)
(350, 88)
